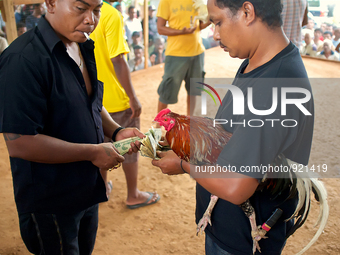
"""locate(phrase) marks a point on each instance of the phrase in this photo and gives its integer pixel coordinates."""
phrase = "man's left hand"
(169, 163)
(130, 132)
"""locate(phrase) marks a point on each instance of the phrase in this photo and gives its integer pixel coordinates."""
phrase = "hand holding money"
(149, 143)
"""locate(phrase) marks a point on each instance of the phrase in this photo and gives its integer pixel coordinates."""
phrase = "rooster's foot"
(257, 235)
(203, 223)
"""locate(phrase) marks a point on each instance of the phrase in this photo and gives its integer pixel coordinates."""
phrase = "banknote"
(149, 143)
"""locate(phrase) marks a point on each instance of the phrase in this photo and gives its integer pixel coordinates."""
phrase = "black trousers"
(57, 234)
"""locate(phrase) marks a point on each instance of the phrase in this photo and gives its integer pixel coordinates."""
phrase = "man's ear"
(50, 5)
(249, 12)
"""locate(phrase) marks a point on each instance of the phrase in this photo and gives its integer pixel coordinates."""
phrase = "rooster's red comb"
(162, 113)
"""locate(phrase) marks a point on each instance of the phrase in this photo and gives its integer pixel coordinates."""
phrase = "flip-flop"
(145, 203)
(111, 187)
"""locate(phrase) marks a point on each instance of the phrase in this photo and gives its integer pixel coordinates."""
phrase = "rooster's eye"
(165, 119)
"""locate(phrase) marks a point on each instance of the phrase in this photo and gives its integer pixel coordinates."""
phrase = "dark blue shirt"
(42, 91)
(255, 146)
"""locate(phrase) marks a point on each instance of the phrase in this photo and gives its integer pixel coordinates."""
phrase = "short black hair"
(318, 30)
(269, 11)
(131, 7)
(138, 47)
(328, 33)
(135, 33)
(20, 25)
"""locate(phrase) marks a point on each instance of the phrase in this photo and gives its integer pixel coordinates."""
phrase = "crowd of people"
(321, 42)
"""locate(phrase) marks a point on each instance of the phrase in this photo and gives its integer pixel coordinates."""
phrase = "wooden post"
(146, 34)
(11, 27)
(7, 12)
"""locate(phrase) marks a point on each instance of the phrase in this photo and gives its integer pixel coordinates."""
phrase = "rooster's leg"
(202, 224)
(257, 232)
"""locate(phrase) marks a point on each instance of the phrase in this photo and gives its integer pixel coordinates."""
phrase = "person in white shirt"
(132, 24)
(327, 52)
(309, 48)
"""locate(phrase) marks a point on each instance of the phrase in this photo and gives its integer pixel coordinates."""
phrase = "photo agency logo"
(239, 104)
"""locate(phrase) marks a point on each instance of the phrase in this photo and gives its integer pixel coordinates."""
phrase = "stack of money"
(149, 143)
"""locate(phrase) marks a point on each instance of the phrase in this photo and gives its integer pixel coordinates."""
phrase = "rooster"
(212, 140)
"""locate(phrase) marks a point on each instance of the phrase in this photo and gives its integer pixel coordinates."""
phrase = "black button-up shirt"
(42, 91)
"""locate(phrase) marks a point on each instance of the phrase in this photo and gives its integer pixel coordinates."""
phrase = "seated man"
(158, 54)
(327, 52)
(136, 40)
(309, 48)
(138, 62)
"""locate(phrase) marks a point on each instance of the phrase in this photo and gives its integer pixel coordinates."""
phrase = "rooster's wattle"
(207, 143)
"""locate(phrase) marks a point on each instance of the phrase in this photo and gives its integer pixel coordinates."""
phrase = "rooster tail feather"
(323, 214)
(321, 193)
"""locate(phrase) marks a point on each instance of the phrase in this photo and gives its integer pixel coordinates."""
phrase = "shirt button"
(97, 127)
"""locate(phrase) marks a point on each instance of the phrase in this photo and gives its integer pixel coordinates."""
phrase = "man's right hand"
(106, 156)
(186, 30)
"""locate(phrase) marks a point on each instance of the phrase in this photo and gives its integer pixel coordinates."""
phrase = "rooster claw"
(203, 223)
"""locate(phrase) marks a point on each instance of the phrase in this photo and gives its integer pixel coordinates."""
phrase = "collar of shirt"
(51, 39)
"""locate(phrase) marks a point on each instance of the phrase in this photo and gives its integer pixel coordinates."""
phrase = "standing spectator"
(292, 16)
(119, 6)
(309, 48)
(132, 24)
(184, 52)
(21, 28)
(158, 54)
(250, 30)
(327, 52)
(152, 22)
(317, 39)
(54, 124)
(17, 13)
(122, 6)
(138, 63)
(119, 98)
(32, 20)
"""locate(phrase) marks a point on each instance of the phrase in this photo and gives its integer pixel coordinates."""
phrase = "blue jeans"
(211, 248)
(56, 234)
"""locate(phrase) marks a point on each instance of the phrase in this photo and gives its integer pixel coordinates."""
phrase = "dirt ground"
(168, 227)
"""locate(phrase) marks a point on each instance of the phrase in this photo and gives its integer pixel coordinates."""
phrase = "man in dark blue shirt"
(53, 121)
(252, 30)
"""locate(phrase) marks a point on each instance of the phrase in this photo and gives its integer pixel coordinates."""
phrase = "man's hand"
(130, 132)
(186, 30)
(106, 156)
(136, 107)
(169, 163)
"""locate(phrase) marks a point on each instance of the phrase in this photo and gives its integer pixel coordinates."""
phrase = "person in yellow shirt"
(119, 98)
(184, 52)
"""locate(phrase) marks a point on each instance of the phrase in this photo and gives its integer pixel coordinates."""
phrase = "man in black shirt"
(53, 121)
(252, 30)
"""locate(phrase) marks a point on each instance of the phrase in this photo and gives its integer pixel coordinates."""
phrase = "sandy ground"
(168, 227)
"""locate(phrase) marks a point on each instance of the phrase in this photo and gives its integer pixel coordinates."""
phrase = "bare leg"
(191, 103)
(134, 196)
